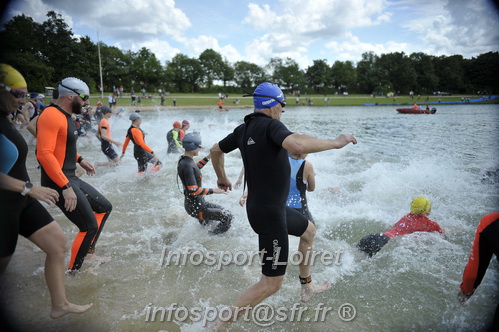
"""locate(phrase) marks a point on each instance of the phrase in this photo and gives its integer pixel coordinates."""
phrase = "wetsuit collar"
(252, 116)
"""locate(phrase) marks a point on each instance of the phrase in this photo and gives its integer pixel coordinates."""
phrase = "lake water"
(410, 285)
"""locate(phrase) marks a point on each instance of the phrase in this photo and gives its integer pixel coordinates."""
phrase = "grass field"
(210, 100)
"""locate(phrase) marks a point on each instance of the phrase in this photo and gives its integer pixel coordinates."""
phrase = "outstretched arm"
(300, 143)
(217, 159)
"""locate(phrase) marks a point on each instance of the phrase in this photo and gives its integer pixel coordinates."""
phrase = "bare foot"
(70, 308)
(309, 290)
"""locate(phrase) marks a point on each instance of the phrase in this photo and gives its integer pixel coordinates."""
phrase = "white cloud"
(118, 19)
(352, 48)
(461, 27)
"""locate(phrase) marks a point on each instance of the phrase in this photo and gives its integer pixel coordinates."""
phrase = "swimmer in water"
(416, 221)
(194, 193)
(173, 139)
(141, 151)
(104, 134)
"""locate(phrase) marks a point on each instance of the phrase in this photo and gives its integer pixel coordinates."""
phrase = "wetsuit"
(297, 197)
(267, 173)
(106, 146)
(410, 223)
(20, 214)
(141, 152)
(173, 139)
(485, 244)
(194, 202)
(56, 153)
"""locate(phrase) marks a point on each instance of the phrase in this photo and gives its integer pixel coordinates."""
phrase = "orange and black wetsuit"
(56, 153)
(194, 202)
(485, 244)
(141, 151)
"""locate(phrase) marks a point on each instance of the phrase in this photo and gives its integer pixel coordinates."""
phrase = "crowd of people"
(275, 172)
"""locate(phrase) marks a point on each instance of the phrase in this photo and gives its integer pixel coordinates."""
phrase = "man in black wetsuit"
(194, 203)
(263, 141)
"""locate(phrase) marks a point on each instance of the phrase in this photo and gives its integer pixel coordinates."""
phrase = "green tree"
(317, 76)
(450, 72)
(213, 66)
(398, 69)
(286, 74)
(368, 75)
(186, 73)
(57, 47)
(247, 75)
(22, 52)
(117, 68)
(147, 69)
(427, 80)
(344, 76)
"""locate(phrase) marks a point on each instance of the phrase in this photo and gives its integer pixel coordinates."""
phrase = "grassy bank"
(209, 100)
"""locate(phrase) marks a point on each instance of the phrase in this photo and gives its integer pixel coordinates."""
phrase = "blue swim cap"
(191, 142)
(264, 94)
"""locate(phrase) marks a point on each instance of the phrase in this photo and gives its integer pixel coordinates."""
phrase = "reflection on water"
(410, 285)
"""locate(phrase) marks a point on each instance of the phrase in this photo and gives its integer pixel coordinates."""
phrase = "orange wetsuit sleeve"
(125, 144)
(52, 129)
(479, 258)
(138, 137)
(200, 164)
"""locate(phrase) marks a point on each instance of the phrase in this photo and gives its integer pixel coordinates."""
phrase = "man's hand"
(88, 167)
(224, 184)
(344, 139)
(70, 199)
(47, 195)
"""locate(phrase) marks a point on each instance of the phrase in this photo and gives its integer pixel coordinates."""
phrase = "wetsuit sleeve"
(138, 137)
(125, 144)
(192, 186)
(176, 139)
(229, 143)
(435, 227)
(202, 162)
(479, 258)
(278, 132)
(48, 127)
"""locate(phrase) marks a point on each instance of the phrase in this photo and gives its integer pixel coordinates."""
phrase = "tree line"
(47, 52)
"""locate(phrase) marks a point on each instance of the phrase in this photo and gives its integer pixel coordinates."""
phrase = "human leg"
(84, 218)
(296, 223)
(213, 212)
(100, 206)
(52, 241)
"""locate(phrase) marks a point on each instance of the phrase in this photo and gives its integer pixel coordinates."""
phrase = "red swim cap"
(176, 124)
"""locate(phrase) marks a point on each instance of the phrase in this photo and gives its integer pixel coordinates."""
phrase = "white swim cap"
(72, 86)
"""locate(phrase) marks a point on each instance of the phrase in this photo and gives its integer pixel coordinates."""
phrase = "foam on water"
(411, 284)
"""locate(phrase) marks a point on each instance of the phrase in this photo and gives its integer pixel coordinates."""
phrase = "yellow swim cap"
(420, 205)
(11, 77)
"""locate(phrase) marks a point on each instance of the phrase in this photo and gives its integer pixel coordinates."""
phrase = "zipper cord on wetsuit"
(178, 175)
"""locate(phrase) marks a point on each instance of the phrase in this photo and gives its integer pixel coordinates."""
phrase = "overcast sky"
(257, 30)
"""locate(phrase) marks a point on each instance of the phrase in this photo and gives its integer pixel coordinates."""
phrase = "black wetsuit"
(171, 137)
(194, 202)
(20, 214)
(56, 153)
(267, 173)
